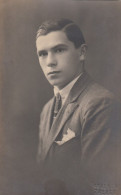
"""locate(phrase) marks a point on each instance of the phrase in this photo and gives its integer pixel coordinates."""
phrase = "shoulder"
(96, 99)
(47, 107)
(96, 93)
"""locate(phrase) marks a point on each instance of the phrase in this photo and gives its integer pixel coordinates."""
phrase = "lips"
(53, 72)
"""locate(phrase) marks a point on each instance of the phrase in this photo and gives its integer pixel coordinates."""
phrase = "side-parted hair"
(71, 30)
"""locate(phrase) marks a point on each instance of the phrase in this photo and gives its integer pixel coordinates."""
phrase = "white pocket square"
(66, 137)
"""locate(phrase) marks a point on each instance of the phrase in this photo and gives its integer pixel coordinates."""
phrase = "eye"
(59, 50)
(42, 53)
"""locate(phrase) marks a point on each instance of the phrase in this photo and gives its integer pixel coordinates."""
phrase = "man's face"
(58, 58)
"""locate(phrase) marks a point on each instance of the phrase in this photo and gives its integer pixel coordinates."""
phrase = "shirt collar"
(65, 91)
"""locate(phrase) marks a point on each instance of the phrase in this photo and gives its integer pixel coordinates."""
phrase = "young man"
(79, 128)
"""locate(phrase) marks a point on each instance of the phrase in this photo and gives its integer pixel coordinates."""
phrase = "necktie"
(57, 104)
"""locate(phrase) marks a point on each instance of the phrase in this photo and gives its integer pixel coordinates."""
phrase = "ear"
(83, 50)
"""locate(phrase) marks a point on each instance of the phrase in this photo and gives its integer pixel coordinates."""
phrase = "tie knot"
(58, 96)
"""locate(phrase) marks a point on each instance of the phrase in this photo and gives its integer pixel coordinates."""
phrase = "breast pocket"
(68, 152)
(72, 145)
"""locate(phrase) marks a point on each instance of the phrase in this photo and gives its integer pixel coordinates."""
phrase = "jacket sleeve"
(101, 145)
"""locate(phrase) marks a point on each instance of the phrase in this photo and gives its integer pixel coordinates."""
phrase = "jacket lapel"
(48, 122)
(59, 122)
(69, 107)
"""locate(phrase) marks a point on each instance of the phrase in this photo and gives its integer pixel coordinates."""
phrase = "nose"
(51, 60)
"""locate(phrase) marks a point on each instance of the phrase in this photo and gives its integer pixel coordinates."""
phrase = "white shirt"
(65, 91)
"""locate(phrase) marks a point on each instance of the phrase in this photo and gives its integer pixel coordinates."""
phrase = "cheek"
(72, 57)
(43, 69)
(42, 65)
(64, 61)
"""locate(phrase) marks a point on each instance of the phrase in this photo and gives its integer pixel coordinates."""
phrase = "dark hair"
(71, 30)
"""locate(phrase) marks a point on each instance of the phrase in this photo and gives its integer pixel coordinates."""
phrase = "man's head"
(61, 50)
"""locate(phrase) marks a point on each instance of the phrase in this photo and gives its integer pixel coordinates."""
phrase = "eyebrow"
(53, 48)
(59, 45)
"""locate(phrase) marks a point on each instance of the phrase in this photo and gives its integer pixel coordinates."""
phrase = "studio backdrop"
(24, 88)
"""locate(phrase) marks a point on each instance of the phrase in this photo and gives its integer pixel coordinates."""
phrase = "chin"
(59, 85)
(54, 83)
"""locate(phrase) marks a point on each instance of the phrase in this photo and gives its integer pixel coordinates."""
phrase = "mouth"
(54, 72)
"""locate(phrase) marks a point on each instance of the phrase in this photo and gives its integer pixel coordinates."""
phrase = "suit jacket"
(82, 146)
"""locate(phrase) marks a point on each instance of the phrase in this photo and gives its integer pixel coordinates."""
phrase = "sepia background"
(24, 88)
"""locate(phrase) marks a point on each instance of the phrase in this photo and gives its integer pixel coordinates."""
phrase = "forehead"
(52, 39)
